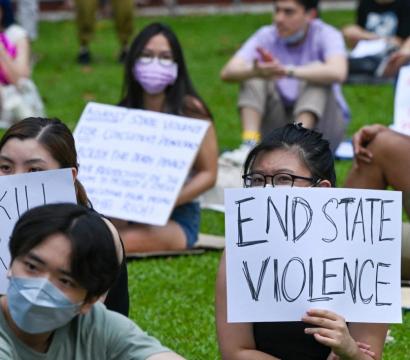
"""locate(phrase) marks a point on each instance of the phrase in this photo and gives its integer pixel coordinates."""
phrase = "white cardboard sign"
(18, 193)
(134, 162)
(402, 102)
(292, 249)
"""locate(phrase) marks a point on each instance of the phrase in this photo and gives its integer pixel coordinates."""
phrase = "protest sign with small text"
(135, 162)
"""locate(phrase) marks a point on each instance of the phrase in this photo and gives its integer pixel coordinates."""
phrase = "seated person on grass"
(382, 160)
(61, 264)
(157, 79)
(290, 71)
(293, 156)
(377, 19)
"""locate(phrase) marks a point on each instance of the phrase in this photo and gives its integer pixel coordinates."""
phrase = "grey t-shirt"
(99, 334)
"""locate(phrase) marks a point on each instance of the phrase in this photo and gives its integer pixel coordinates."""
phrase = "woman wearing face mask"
(61, 263)
(293, 156)
(38, 144)
(157, 79)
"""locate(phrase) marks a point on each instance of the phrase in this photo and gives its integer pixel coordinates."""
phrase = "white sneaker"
(237, 156)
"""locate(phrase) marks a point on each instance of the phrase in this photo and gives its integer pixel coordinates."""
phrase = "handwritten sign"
(18, 193)
(134, 162)
(402, 102)
(292, 249)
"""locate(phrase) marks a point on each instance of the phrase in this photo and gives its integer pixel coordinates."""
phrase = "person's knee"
(318, 89)
(254, 85)
(253, 94)
(313, 99)
(384, 143)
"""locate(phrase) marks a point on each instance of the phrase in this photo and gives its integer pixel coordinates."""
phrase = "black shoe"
(122, 56)
(84, 57)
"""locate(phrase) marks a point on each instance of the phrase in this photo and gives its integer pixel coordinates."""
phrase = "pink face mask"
(154, 77)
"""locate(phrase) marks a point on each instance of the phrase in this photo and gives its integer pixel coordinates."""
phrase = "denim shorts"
(188, 216)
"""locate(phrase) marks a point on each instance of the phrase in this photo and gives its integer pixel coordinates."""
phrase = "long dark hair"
(313, 150)
(180, 96)
(56, 137)
(7, 17)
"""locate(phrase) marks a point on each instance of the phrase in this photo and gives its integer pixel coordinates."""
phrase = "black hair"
(181, 95)
(307, 4)
(313, 150)
(94, 264)
(7, 17)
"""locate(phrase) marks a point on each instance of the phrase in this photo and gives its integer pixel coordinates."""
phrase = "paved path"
(202, 9)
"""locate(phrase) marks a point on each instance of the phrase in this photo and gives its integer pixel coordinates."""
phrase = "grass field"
(172, 298)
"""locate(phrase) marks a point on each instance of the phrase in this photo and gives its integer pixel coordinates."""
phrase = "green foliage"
(172, 298)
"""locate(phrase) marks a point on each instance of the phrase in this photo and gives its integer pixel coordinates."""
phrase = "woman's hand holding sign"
(333, 331)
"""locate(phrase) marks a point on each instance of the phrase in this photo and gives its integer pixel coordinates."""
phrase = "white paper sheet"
(18, 193)
(134, 162)
(292, 249)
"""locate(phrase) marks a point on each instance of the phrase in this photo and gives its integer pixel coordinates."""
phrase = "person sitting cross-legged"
(290, 71)
(381, 19)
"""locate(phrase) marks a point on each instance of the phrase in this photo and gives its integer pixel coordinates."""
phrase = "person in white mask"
(61, 264)
(290, 71)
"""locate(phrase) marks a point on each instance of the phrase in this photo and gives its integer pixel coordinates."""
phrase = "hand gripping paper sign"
(19, 193)
(292, 249)
(135, 162)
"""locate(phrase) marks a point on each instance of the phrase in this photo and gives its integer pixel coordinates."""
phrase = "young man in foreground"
(63, 260)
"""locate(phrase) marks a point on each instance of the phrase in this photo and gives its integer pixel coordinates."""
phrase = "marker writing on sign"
(358, 214)
(19, 199)
(16, 201)
(353, 280)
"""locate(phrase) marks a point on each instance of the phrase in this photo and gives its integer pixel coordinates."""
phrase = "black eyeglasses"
(279, 179)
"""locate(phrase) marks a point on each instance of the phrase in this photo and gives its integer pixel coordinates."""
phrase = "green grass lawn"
(172, 298)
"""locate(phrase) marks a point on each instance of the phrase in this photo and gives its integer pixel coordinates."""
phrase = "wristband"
(290, 71)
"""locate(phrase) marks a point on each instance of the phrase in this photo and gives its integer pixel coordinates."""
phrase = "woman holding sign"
(293, 156)
(157, 79)
(39, 144)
